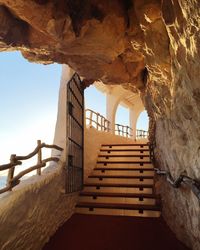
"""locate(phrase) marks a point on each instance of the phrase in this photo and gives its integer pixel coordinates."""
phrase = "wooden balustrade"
(122, 130)
(97, 120)
(141, 134)
(13, 180)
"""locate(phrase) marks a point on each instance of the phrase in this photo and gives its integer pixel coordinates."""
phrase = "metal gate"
(75, 135)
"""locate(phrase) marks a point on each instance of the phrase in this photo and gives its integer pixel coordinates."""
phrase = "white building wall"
(92, 144)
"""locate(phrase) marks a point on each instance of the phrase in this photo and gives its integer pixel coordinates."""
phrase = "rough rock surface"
(34, 210)
(151, 46)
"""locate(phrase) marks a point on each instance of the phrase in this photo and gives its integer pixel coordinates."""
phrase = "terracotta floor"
(91, 232)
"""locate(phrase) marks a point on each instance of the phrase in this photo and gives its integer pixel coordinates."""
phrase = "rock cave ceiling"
(115, 41)
(140, 44)
(150, 46)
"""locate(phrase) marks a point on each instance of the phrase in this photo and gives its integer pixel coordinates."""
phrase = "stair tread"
(129, 150)
(124, 169)
(126, 195)
(122, 155)
(122, 176)
(124, 162)
(119, 206)
(118, 185)
(124, 144)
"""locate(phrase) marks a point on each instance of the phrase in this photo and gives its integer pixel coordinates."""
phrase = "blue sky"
(28, 104)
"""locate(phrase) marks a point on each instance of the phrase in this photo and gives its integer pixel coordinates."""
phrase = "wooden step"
(121, 180)
(139, 207)
(123, 162)
(121, 176)
(123, 153)
(127, 185)
(124, 147)
(126, 195)
(124, 150)
(118, 200)
(124, 156)
(118, 190)
(124, 169)
(127, 145)
(97, 172)
(121, 165)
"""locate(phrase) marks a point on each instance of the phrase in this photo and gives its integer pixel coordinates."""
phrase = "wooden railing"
(141, 134)
(122, 130)
(97, 120)
(14, 180)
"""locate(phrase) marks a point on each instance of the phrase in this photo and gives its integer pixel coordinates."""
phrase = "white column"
(111, 106)
(132, 122)
(60, 129)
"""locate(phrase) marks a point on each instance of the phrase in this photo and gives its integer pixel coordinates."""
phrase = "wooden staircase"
(122, 183)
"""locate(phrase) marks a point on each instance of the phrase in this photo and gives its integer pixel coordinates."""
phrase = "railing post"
(11, 172)
(97, 120)
(102, 124)
(39, 158)
(90, 121)
(108, 123)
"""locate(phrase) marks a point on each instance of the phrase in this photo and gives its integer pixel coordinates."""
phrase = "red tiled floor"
(90, 232)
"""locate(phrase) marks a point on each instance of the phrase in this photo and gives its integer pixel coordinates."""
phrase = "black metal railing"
(182, 178)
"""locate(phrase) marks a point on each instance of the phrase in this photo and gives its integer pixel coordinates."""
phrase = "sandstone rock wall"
(148, 46)
(178, 128)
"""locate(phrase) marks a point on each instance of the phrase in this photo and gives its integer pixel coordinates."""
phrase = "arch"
(142, 124)
(122, 119)
(112, 102)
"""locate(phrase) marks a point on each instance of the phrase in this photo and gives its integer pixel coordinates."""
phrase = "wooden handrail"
(123, 130)
(103, 124)
(36, 150)
(35, 167)
(9, 165)
(12, 180)
(141, 133)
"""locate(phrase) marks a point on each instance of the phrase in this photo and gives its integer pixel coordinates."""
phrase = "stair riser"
(121, 172)
(119, 190)
(118, 212)
(118, 200)
(120, 181)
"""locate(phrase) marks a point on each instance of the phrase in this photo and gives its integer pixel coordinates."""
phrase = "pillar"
(60, 129)
(132, 123)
